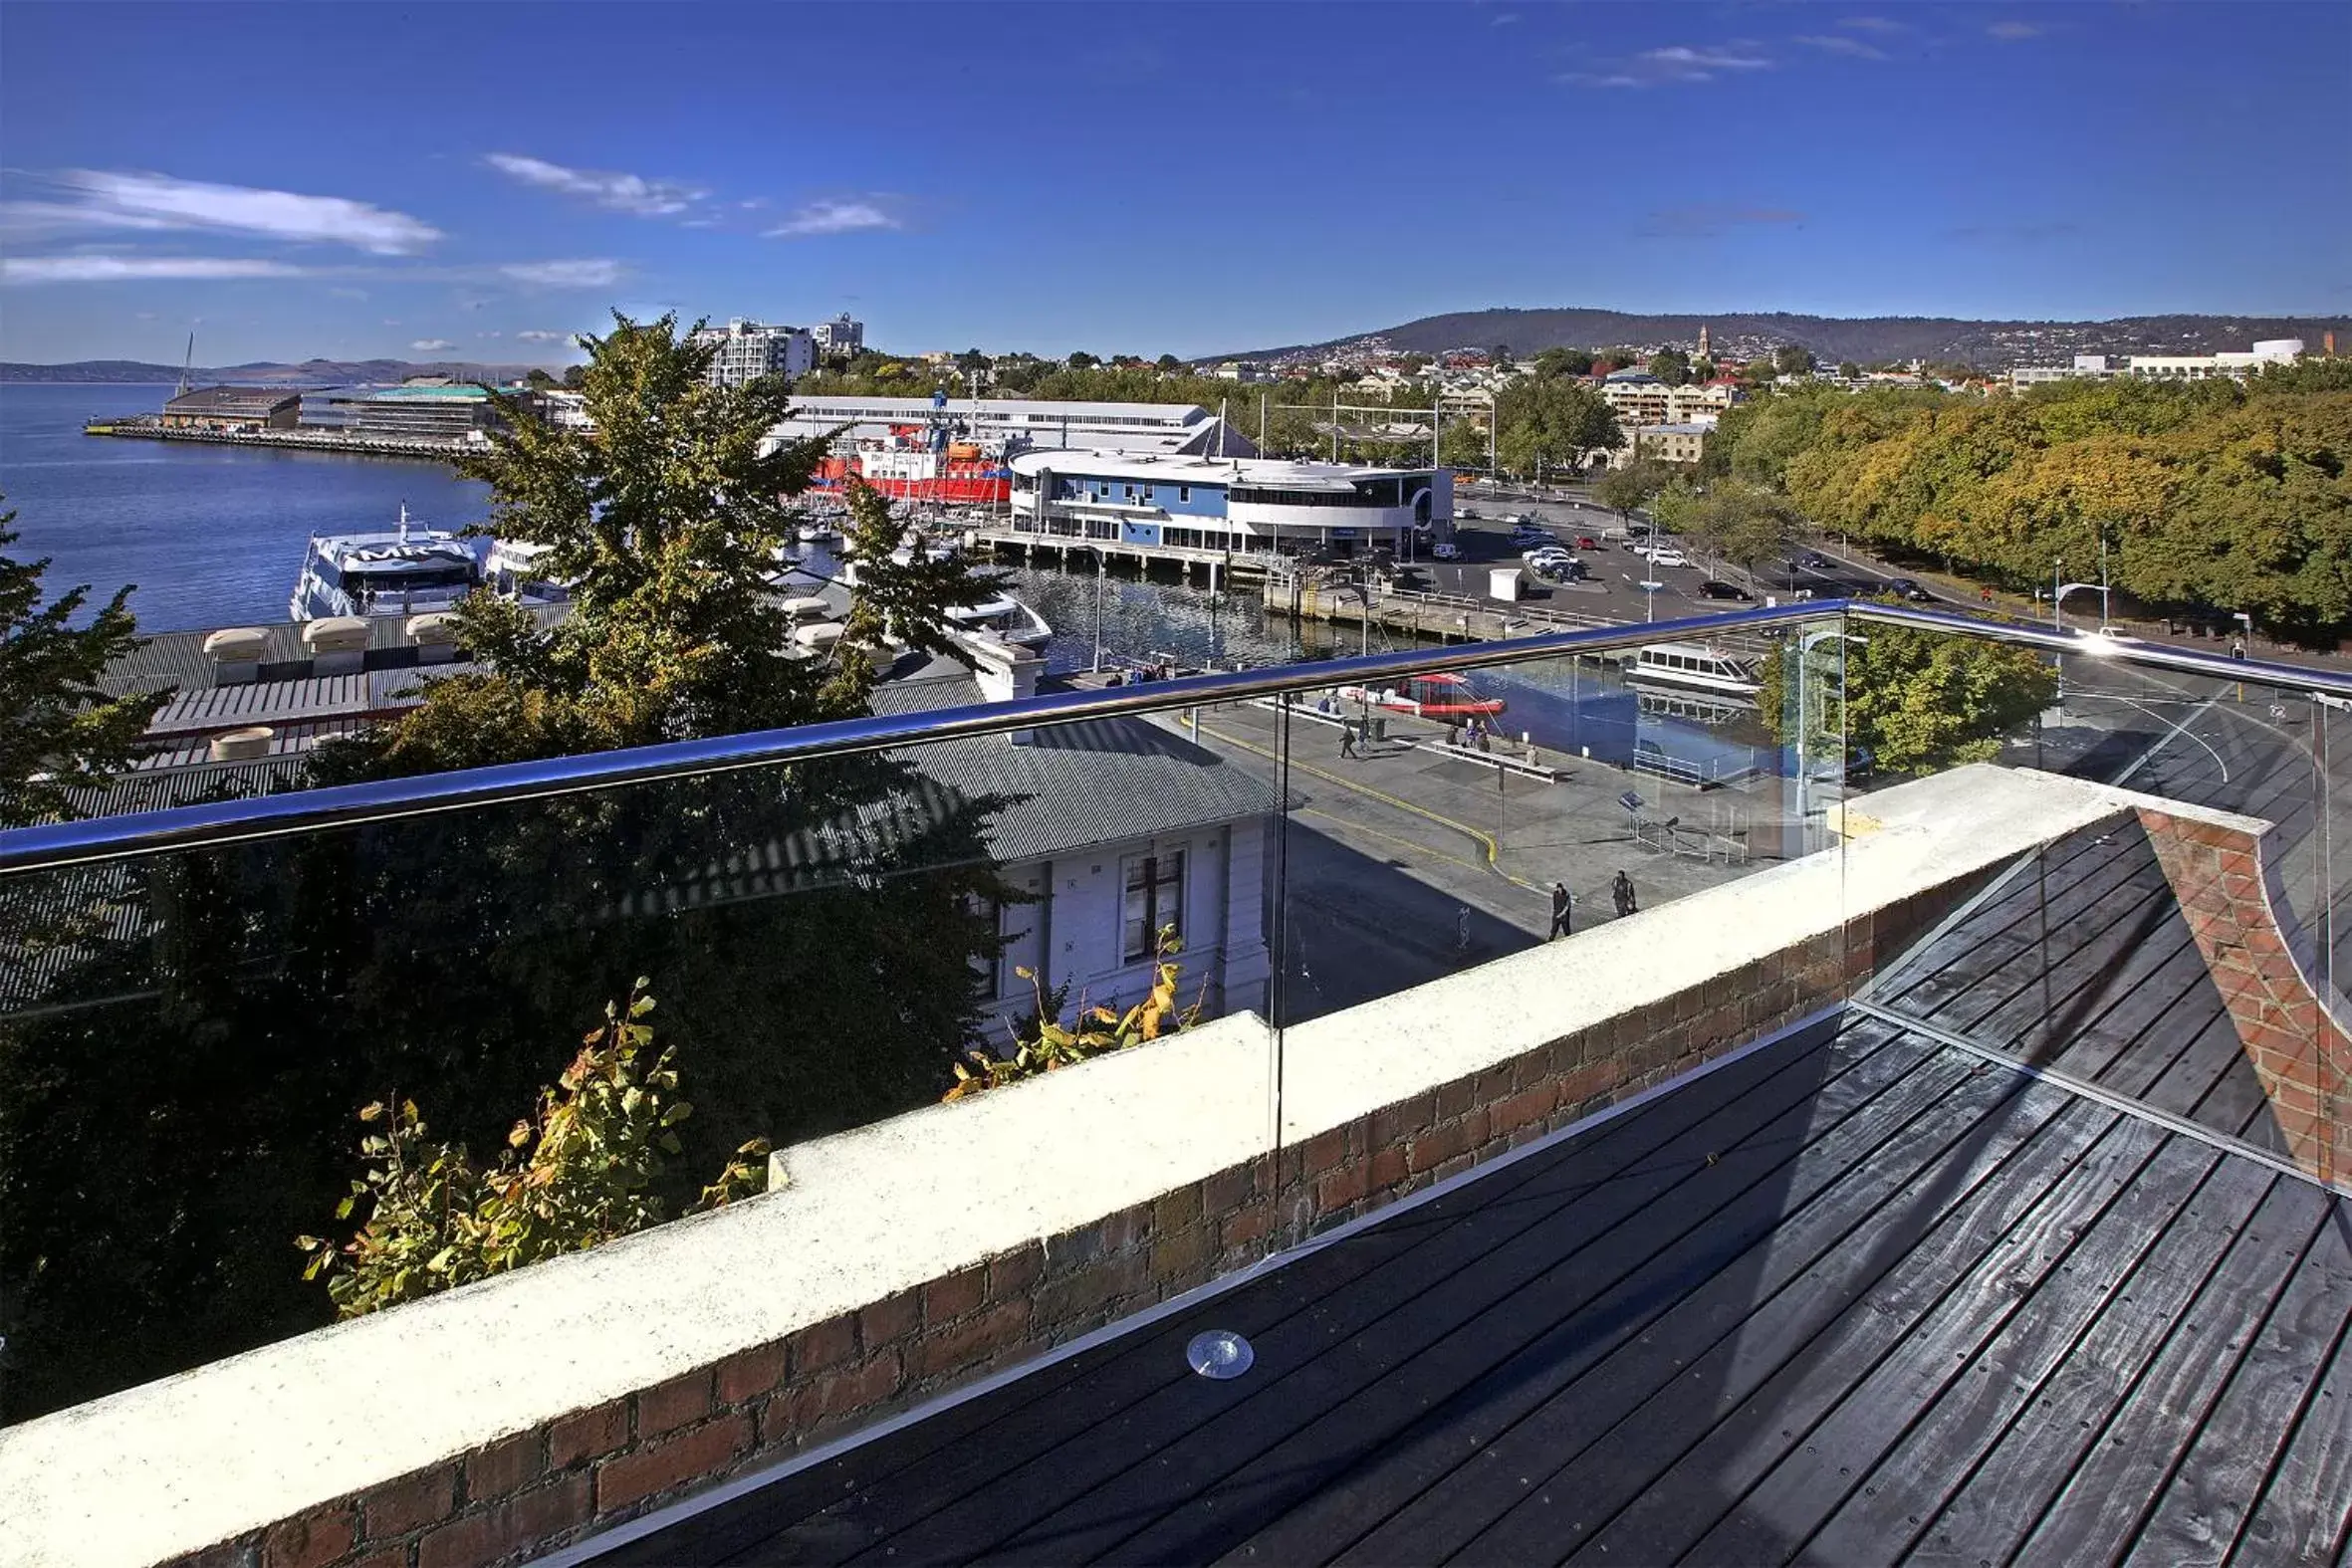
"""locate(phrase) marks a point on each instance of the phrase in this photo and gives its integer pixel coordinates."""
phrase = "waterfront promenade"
(298, 440)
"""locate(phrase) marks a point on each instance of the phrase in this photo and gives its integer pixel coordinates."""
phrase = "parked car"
(1667, 556)
(1445, 549)
(1469, 514)
(1587, 542)
(1906, 589)
(1723, 591)
(1544, 552)
(1814, 560)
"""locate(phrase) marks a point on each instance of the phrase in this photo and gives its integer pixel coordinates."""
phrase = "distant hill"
(1991, 346)
(311, 373)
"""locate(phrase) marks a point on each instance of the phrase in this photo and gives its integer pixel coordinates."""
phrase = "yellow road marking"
(1485, 840)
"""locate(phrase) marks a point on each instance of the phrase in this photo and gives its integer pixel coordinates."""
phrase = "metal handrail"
(26, 849)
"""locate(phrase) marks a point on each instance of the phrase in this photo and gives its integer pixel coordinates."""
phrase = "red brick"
(396, 1557)
(959, 1345)
(527, 1522)
(858, 1388)
(1012, 1275)
(679, 1402)
(1182, 1257)
(1176, 1211)
(1388, 1166)
(409, 1503)
(945, 1300)
(505, 1467)
(887, 1321)
(821, 1345)
(1249, 1224)
(1395, 1124)
(1593, 1078)
(1438, 1143)
(1127, 1227)
(1348, 1185)
(1326, 1151)
(697, 1454)
(747, 1374)
(1456, 1097)
(589, 1434)
(311, 1541)
(1073, 1297)
(1228, 1189)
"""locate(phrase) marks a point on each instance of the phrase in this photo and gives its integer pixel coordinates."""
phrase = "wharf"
(438, 448)
(1213, 568)
(1443, 616)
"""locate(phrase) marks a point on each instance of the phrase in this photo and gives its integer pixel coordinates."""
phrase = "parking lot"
(1613, 586)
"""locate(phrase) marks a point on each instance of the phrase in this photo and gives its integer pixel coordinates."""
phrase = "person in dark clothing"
(1562, 911)
(1347, 738)
(1621, 892)
(2238, 647)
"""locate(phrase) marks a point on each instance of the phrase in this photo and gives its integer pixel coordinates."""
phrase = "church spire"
(1702, 354)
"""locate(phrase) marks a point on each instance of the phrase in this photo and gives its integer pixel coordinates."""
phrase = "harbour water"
(212, 536)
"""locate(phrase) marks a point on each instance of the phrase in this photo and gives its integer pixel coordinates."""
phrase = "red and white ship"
(907, 467)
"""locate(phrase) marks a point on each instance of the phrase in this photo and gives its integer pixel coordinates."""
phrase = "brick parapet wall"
(602, 1466)
(2298, 1047)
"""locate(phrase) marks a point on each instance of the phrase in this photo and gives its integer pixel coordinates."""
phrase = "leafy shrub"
(1045, 1045)
(578, 1174)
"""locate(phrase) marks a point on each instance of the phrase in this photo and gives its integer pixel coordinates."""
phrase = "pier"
(147, 429)
(1213, 569)
(1315, 595)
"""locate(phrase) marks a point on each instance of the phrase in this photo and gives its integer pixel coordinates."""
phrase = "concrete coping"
(184, 1463)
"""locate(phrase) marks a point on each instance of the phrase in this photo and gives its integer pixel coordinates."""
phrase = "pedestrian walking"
(1347, 739)
(1621, 893)
(2238, 647)
(1564, 910)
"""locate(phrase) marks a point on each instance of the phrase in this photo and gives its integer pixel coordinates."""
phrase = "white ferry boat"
(1005, 617)
(406, 572)
(1693, 665)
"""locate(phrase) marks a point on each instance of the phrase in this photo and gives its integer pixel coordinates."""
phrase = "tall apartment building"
(840, 335)
(749, 349)
(1637, 397)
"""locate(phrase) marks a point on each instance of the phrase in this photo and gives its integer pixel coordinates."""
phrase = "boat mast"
(186, 365)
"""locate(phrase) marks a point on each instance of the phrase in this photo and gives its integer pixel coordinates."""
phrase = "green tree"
(572, 374)
(538, 380)
(1631, 485)
(1555, 362)
(1168, 364)
(1081, 360)
(1671, 366)
(1555, 424)
(1500, 356)
(1848, 369)
(1920, 702)
(61, 731)
(1793, 360)
(1741, 522)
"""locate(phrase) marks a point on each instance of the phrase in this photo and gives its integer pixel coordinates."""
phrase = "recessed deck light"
(1219, 1353)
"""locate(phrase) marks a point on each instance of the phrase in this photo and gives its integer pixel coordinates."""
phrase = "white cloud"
(533, 334)
(349, 294)
(1680, 58)
(1838, 44)
(1873, 24)
(631, 193)
(117, 268)
(2013, 32)
(432, 345)
(99, 200)
(835, 217)
(590, 273)
(1672, 64)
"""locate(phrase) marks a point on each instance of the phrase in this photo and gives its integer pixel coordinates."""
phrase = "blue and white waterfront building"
(1149, 502)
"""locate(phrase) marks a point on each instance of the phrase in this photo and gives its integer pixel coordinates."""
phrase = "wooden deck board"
(1863, 1301)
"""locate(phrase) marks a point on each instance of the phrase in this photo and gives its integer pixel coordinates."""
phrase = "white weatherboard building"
(840, 335)
(1144, 500)
(2161, 366)
(748, 351)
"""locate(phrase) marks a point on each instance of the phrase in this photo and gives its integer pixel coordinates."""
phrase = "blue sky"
(361, 181)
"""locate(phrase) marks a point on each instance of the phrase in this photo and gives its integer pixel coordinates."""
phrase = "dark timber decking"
(2082, 962)
(1855, 1297)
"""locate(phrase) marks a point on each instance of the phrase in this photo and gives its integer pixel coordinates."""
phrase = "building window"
(1154, 902)
(1184, 492)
